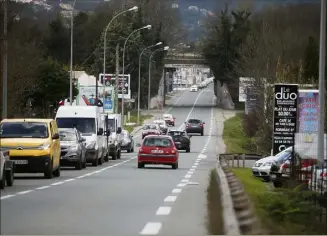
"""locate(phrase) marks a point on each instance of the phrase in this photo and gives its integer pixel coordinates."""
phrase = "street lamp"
(139, 85)
(122, 99)
(105, 47)
(149, 79)
(322, 64)
(71, 55)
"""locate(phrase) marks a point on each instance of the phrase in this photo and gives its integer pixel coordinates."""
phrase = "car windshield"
(157, 142)
(67, 136)
(24, 130)
(83, 125)
(111, 125)
(150, 127)
(283, 157)
(193, 121)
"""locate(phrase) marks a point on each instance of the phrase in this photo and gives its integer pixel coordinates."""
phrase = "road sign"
(107, 105)
(123, 83)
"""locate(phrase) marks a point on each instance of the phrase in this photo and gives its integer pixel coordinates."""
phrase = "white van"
(87, 120)
(115, 138)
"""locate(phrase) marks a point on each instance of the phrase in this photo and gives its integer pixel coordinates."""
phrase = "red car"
(150, 129)
(169, 119)
(158, 150)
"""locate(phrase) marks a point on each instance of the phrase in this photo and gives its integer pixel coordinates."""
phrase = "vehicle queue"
(82, 134)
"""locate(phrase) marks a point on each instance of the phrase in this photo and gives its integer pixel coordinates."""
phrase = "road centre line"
(24, 192)
(164, 210)
(8, 196)
(176, 190)
(170, 199)
(151, 228)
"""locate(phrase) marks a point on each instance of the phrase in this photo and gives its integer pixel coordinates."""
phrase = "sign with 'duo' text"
(285, 116)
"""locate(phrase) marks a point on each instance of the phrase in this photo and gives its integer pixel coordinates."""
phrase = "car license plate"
(177, 142)
(157, 151)
(21, 162)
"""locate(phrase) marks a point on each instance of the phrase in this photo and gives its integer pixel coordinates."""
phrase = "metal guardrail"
(238, 159)
(236, 203)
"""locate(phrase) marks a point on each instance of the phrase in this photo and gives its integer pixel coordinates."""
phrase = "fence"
(240, 160)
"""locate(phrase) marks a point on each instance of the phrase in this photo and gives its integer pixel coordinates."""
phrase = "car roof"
(157, 136)
(27, 120)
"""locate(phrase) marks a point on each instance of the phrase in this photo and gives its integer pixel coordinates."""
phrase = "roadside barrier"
(238, 213)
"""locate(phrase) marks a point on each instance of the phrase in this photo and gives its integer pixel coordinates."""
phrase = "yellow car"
(33, 145)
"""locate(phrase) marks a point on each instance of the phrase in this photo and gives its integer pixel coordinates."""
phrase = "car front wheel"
(175, 166)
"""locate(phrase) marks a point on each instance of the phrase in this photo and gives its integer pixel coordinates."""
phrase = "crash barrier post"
(238, 213)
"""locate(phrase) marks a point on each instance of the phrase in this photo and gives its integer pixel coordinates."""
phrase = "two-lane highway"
(117, 198)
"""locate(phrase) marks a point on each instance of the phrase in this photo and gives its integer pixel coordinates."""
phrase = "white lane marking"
(187, 176)
(57, 183)
(97, 172)
(194, 166)
(190, 172)
(151, 228)
(189, 114)
(69, 180)
(181, 185)
(163, 211)
(176, 190)
(184, 180)
(170, 199)
(24, 192)
(192, 169)
(7, 196)
(80, 177)
(43, 187)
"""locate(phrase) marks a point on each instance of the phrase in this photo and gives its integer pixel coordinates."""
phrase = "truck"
(6, 170)
(114, 134)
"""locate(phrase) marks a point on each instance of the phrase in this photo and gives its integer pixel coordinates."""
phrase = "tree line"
(39, 49)
(279, 44)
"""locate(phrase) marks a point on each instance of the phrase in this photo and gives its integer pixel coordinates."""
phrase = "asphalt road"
(117, 198)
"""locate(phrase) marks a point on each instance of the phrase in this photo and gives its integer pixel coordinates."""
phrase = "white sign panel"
(244, 82)
(123, 86)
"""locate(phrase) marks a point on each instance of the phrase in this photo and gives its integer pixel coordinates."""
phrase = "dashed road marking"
(163, 211)
(192, 169)
(184, 180)
(181, 185)
(187, 176)
(151, 228)
(176, 190)
(194, 166)
(24, 192)
(170, 199)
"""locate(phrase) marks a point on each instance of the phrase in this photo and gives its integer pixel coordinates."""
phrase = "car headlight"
(74, 148)
(91, 145)
(267, 164)
(43, 146)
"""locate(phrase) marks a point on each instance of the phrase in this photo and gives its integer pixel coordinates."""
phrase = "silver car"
(72, 148)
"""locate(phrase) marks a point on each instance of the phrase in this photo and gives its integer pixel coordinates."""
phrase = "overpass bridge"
(181, 59)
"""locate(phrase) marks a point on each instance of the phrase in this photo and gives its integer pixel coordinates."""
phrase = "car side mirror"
(55, 136)
(100, 131)
(119, 130)
(138, 145)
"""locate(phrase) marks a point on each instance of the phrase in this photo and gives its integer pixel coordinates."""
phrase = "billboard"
(86, 96)
(123, 84)
(308, 111)
(285, 116)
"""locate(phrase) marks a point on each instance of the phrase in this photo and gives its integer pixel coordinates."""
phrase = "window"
(111, 125)
(67, 136)
(83, 125)
(193, 121)
(157, 142)
(24, 130)
(283, 157)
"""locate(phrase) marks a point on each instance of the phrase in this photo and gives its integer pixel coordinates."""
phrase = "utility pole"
(4, 61)
(322, 64)
(117, 81)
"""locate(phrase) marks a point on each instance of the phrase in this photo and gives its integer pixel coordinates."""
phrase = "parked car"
(150, 129)
(158, 150)
(33, 144)
(318, 181)
(181, 139)
(194, 126)
(194, 88)
(127, 142)
(162, 125)
(6, 170)
(169, 119)
(73, 148)
(261, 168)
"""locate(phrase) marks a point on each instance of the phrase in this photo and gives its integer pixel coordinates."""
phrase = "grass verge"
(215, 224)
(282, 212)
(234, 136)
(133, 119)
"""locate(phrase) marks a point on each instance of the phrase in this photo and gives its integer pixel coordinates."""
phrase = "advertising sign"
(308, 111)
(86, 96)
(123, 84)
(285, 116)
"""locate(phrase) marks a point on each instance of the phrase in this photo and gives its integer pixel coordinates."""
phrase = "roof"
(27, 120)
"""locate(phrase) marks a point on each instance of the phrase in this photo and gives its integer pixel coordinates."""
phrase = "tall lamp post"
(122, 98)
(322, 63)
(139, 85)
(71, 54)
(149, 79)
(105, 49)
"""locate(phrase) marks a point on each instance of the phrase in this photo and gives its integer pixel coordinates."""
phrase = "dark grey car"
(72, 148)
(194, 126)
